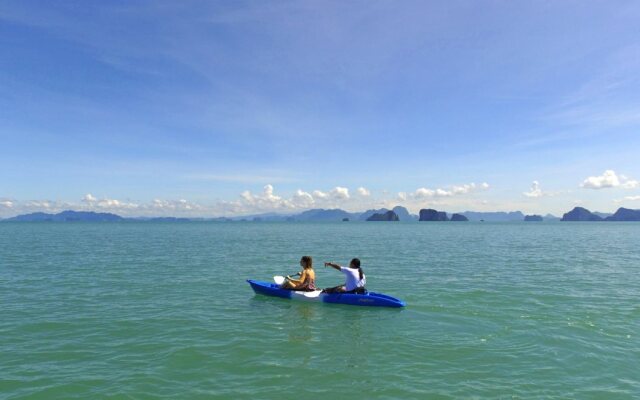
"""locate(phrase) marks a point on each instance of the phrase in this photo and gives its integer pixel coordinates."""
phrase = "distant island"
(396, 214)
(624, 214)
(582, 214)
(388, 216)
(67, 216)
(429, 214)
(402, 213)
(459, 218)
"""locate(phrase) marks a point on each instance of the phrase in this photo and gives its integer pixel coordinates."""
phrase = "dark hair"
(307, 261)
(356, 263)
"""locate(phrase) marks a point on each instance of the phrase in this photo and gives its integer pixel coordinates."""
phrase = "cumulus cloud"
(340, 193)
(628, 198)
(267, 200)
(609, 179)
(425, 193)
(172, 205)
(44, 204)
(88, 198)
(302, 199)
(364, 192)
(320, 195)
(6, 203)
(627, 183)
(535, 190)
(93, 202)
(337, 193)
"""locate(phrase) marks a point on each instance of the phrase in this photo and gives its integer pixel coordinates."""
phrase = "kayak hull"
(370, 299)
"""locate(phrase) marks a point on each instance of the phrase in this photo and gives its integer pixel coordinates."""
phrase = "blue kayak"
(369, 299)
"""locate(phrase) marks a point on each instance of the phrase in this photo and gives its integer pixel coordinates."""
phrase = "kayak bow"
(370, 299)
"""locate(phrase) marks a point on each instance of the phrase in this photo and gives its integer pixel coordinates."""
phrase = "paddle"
(278, 279)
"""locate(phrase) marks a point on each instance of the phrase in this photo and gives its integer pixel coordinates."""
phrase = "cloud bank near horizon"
(265, 201)
(451, 198)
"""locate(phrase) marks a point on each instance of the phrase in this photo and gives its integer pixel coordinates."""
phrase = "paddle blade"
(278, 279)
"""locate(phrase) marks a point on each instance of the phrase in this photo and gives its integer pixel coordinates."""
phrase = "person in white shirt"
(355, 279)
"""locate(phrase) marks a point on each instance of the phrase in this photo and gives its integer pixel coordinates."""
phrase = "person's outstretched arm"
(332, 265)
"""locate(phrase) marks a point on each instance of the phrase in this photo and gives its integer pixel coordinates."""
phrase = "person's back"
(353, 278)
(308, 279)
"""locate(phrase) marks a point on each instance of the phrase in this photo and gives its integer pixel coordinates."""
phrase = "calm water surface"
(162, 310)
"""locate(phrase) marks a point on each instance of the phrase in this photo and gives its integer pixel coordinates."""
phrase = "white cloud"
(320, 195)
(629, 183)
(302, 199)
(609, 179)
(628, 198)
(340, 193)
(268, 192)
(181, 206)
(266, 201)
(535, 190)
(337, 193)
(455, 196)
(44, 204)
(364, 192)
(92, 202)
(425, 193)
(6, 203)
(88, 198)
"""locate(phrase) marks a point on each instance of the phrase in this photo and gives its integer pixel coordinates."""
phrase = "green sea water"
(162, 310)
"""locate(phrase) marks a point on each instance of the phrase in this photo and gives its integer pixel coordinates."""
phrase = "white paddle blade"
(278, 279)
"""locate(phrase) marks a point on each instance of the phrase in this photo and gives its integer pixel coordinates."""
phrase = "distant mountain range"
(67, 216)
(320, 214)
(577, 214)
(582, 214)
(88, 216)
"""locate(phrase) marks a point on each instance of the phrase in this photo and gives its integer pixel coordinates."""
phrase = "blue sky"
(221, 108)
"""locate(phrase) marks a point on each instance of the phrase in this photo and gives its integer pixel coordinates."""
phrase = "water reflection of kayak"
(369, 299)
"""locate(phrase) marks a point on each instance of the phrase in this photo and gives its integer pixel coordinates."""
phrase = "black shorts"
(340, 289)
